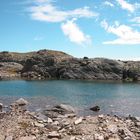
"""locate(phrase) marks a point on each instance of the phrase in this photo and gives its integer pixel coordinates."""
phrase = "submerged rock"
(65, 108)
(61, 109)
(95, 108)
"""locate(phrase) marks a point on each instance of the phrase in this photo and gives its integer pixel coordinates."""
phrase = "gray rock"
(1, 107)
(21, 102)
(9, 138)
(79, 120)
(98, 137)
(28, 138)
(112, 128)
(54, 134)
(38, 124)
(61, 109)
(66, 108)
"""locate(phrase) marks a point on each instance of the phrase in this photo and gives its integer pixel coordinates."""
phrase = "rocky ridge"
(46, 64)
(20, 124)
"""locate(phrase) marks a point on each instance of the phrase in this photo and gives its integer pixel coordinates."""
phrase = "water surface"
(113, 97)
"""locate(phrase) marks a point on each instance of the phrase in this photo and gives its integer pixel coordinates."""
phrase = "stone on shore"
(21, 102)
(28, 138)
(1, 106)
(54, 134)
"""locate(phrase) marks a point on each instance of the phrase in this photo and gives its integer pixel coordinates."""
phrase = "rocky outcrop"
(46, 64)
(10, 70)
(21, 124)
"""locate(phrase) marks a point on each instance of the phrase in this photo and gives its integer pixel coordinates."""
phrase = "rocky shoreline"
(46, 64)
(61, 122)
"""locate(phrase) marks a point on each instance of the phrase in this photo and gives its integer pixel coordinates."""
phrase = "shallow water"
(113, 97)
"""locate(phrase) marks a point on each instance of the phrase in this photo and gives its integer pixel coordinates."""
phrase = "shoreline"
(39, 103)
(61, 122)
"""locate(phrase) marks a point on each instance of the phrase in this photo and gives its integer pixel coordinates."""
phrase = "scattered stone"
(54, 134)
(112, 128)
(73, 138)
(28, 138)
(101, 116)
(137, 124)
(98, 137)
(38, 124)
(49, 120)
(9, 138)
(78, 121)
(114, 138)
(70, 115)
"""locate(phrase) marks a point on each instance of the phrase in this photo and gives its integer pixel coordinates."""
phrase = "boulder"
(21, 102)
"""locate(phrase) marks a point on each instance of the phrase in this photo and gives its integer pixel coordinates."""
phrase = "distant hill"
(48, 64)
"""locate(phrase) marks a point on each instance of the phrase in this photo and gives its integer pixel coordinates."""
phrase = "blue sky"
(93, 28)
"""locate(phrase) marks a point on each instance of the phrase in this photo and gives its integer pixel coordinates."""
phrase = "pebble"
(49, 120)
(28, 138)
(39, 124)
(54, 134)
(98, 137)
(113, 128)
(78, 121)
(9, 138)
(73, 138)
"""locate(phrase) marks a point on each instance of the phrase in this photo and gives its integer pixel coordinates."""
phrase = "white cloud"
(125, 34)
(136, 19)
(108, 3)
(44, 10)
(126, 6)
(73, 32)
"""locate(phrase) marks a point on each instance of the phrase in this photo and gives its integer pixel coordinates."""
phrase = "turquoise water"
(112, 97)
